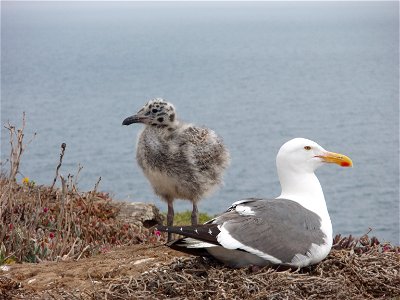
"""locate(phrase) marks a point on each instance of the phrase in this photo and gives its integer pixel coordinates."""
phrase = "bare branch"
(17, 146)
(63, 146)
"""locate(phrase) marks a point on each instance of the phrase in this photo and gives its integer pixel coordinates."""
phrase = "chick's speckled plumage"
(181, 160)
(186, 163)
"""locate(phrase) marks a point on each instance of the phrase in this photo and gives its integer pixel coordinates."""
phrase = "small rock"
(146, 214)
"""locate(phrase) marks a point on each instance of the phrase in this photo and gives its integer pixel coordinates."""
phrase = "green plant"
(184, 218)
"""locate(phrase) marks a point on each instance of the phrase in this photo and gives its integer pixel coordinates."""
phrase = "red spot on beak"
(345, 164)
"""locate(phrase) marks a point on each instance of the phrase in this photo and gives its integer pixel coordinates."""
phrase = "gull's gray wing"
(275, 229)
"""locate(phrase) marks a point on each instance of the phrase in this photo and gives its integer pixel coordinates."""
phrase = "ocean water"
(258, 74)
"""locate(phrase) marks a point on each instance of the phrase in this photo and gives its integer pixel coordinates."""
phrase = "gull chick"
(293, 229)
(181, 160)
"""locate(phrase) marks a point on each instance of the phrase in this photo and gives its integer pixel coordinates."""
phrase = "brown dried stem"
(17, 146)
(63, 146)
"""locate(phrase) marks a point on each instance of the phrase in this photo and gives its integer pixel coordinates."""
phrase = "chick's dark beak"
(133, 119)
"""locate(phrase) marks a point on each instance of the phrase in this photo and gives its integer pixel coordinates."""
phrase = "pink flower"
(45, 209)
(51, 235)
(157, 232)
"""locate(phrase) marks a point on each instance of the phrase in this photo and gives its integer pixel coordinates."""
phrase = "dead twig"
(63, 146)
(17, 146)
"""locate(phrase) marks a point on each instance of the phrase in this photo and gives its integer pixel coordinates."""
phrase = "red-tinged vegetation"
(51, 224)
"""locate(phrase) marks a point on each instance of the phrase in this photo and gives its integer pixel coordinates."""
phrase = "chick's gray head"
(157, 112)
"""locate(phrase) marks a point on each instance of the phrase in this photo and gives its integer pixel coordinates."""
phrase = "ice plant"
(105, 249)
(51, 235)
(386, 248)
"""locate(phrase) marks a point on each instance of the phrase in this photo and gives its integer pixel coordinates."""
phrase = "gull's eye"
(307, 148)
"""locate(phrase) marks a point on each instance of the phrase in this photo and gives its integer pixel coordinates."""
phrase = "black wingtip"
(206, 232)
(179, 245)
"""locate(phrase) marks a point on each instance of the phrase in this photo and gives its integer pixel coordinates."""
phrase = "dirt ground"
(153, 271)
(62, 279)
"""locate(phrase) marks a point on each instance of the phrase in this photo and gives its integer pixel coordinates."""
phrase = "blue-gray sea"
(258, 73)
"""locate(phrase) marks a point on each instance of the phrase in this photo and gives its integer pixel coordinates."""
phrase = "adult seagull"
(293, 230)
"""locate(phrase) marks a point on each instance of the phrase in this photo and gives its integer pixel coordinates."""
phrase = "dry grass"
(49, 224)
(357, 272)
(42, 223)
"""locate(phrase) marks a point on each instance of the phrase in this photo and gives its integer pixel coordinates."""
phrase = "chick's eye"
(307, 148)
(154, 110)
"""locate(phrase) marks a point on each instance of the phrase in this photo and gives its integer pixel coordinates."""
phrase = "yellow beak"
(337, 158)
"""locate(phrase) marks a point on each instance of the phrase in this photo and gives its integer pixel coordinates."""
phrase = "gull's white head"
(296, 162)
(305, 156)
